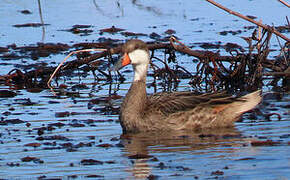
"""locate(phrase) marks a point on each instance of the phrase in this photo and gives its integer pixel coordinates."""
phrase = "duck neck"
(136, 97)
(133, 107)
(140, 72)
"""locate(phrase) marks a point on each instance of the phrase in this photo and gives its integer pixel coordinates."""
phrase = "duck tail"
(249, 101)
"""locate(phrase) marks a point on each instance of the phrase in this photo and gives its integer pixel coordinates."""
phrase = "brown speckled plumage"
(177, 110)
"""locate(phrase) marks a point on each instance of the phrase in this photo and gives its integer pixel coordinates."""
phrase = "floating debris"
(30, 25)
(264, 143)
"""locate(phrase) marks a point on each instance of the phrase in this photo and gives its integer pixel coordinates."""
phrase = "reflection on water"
(142, 147)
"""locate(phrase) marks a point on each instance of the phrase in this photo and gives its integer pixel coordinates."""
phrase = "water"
(87, 130)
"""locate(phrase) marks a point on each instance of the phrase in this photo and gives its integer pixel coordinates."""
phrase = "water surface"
(76, 138)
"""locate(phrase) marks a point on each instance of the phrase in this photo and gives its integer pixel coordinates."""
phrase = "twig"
(282, 51)
(287, 21)
(196, 53)
(285, 3)
(277, 74)
(172, 74)
(41, 20)
(249, 19)
(71, 53)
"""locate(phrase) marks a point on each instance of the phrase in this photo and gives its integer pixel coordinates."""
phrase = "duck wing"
(168, 103)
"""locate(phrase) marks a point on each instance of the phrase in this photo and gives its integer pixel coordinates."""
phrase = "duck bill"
(122, 62)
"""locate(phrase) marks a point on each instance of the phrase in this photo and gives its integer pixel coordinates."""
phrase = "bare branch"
(285, 3)
(71, 53)
(250, 20)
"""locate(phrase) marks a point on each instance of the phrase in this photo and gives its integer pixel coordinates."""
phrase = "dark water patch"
(57, 124)
(82, 26)
(12, 164)
(12, 56)
(232, 136)
(28, 124)
(83, 113)
(82, 144)
(155, 36)
(105, 145)
(153, 177)
(115, 139)
(209, 45)
(24, 102)
(34, 51)
(104, 100)
(233, 46)
(92, 121)
(62, 114)
(67, 145)
(32, 159)
(154, 159)
(170, 31)
(32, 145)
(80, 29)
(162, 165)
(70, 147)
(35, 90)
(91, 45)
(33, 113)
(284, 136)
(128, 34)
(30, 25)
(91, 137)
(265, 143)
(3, 49)
(86, 162)
(140, 156)
(40, 130)
(52, 138)
(72, 94)
(245, 159)
(108, 110)
(7, 94)
(25, 11)
(217, 172)
(79, 87)
(182, 168)
(224, 33)
(11, 121)
(76, 124)
(112, 29)
(95, 176)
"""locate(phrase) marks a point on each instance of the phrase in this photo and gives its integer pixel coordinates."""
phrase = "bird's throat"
(140, 72)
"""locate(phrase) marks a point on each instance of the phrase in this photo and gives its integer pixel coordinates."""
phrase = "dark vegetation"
(239, 70)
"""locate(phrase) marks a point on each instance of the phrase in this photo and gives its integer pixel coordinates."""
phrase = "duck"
(174, 111)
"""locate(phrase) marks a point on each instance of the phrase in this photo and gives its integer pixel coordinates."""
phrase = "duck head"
(135, 52)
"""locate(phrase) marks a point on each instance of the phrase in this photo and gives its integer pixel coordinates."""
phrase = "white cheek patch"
(139, 57)
(140, 60)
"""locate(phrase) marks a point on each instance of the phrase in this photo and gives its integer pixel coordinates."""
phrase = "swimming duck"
(175, 110)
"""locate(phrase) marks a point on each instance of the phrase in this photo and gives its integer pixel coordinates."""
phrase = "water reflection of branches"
(107, 14)
(41, 20)
(147, 8)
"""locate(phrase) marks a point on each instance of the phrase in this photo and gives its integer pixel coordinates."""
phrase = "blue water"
(177, 156)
